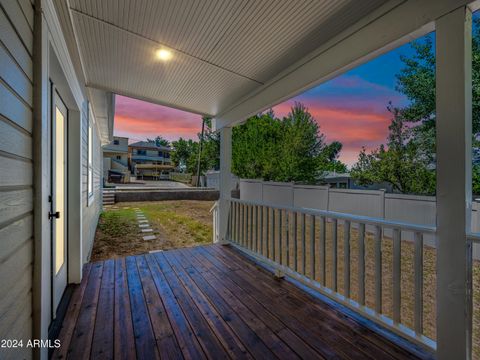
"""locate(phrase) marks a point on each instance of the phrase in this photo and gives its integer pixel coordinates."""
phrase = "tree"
(185, 152)
(159, 141)
(329, 162)
(400, 163)
(288, 149)
(409, 163)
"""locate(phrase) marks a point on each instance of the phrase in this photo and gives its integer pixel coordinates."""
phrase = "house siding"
(91, 211)
(16, 174)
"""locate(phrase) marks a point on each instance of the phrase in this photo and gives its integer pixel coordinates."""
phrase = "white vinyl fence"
(411, 209)
(213, 180)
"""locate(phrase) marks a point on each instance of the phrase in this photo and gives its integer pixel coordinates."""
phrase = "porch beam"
(225, 181)
(454, 193)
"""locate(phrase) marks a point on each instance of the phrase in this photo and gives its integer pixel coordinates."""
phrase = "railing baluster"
(273, 234)
(267, 233)
(229, 222)
(346, 258)
(256, 228)
(322, 250)
(280, 225)
(237, 223)
(378, 269)
(304, 257)
(261, 231)
(334, 255)
(418, 266)
(396, 275)
(287, 236)
(312, 247)
(251, 227)
(246, 225)
(244, 243)
(295, 241)
(361, 264)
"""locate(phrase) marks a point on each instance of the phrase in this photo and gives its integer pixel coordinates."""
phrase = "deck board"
(207, 302)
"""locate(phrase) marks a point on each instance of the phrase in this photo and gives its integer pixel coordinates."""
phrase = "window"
(160, 154)
(141, 152)
(119, 157)
(166, 155)
(116, 142)
(90, 159)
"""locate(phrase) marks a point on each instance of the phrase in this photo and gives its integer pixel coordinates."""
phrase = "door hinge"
(55, 215)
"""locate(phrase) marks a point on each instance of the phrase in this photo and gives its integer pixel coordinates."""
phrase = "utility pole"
(200, 152)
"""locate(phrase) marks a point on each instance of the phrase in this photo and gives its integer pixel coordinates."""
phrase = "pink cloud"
(139, 119)
(355, 127)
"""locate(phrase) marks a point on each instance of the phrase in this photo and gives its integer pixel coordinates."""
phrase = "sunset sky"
(350, 108)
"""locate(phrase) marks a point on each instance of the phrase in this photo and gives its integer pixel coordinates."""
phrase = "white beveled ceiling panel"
(222, 49)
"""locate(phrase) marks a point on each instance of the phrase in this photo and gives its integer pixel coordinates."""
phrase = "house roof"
(149, 145)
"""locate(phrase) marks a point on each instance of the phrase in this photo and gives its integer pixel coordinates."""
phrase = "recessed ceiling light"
(164, 54)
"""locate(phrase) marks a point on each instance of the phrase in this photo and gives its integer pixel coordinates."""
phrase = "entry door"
(58, 213)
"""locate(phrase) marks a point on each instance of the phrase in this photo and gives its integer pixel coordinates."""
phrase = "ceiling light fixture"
(164, 54)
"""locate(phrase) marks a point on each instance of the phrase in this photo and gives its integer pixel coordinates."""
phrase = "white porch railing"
(328, 252)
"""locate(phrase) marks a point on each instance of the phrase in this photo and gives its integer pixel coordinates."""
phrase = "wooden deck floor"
(206, 302)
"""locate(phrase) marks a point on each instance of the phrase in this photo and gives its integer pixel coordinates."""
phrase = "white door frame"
(59, 198)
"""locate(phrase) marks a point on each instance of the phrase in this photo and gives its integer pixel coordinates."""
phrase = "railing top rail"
(474, 237)
(349, 217)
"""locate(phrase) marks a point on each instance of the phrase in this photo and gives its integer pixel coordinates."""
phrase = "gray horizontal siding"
(92, 211)
(16, 173)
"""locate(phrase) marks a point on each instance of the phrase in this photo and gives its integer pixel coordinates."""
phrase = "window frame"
(90, 140)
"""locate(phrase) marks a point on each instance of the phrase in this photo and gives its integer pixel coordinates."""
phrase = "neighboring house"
(148, 160)
(345, 181)
(115, 160)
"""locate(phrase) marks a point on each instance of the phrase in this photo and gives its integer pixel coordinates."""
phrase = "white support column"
(454, 124)
(225, 181)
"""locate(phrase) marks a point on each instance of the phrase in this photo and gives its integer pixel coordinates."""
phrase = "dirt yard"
(174, 223)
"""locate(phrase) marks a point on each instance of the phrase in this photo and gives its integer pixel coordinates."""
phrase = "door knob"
(55, 215)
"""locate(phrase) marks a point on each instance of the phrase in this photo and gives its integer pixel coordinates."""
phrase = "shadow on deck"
(207, 302)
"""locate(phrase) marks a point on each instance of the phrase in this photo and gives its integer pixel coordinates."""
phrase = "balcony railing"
(352, 259)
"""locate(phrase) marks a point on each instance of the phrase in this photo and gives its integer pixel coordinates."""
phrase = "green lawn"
(175, 224)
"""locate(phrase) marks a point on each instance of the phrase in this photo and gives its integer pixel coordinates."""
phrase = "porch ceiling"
(222, 50)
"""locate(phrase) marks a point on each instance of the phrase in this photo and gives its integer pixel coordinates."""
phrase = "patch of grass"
(183, 222)
(175, 224)
(117, 223)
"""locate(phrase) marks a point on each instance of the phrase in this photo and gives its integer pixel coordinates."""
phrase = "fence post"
(454, 193)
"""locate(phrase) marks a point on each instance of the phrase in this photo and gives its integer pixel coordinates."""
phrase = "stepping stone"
(138, 211)
(143, 225)
(143, 221)
(149, 237)
(140, 216)
(136, 208)
(147, 230)
(154, 251)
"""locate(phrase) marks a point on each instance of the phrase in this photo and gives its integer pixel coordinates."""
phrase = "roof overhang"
(232, 58)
